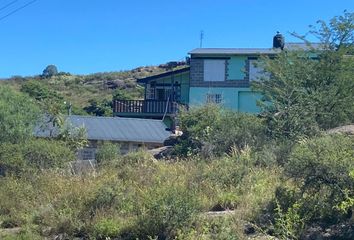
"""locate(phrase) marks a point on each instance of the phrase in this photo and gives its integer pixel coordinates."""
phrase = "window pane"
(214, 70)
(213, 98)
(256, 71)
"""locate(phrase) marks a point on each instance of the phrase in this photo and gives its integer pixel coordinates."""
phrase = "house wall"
(89, 152)
(182, 79)
(237, 99)
(236, 72)
(235, 90)
(236, 68)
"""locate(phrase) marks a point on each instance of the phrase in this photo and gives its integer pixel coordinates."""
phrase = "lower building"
(129, 134)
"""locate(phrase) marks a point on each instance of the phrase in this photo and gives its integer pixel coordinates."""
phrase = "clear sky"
(87, 36)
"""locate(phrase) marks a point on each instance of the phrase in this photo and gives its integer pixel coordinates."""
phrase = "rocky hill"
(83, 91)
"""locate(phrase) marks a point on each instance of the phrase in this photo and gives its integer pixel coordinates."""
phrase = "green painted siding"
(237, 99)
(198, 96)
(247, 101)
(183, 79)
(236, 68)
(185, 88)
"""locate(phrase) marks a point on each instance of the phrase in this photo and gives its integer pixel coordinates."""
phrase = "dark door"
(160, 94)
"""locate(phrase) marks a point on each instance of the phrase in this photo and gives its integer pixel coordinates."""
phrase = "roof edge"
(164, 74)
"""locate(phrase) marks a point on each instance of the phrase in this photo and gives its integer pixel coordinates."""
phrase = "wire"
(18, 9)
(8, 5)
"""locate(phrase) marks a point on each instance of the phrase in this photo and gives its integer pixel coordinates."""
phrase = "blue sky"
(87, 36)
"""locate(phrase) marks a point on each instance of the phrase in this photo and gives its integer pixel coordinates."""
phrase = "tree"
(313, 89)
(39, 91)
(18, 116)
(102, 108)
(211, 130)
(49, 71)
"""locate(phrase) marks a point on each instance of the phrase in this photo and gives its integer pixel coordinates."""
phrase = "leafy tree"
(211, 130)
(103, 108)
(49, 71)
(74, 137)
(313, 89)
(18, 116)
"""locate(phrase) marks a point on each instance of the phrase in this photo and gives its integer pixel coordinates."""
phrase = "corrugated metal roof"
(117, 129)
(253, 51)
(234, 51)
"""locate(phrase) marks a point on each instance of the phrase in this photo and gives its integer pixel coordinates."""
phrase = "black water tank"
(278, 41)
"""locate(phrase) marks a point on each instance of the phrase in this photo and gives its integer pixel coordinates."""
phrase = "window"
(256, 71)
(87, 154)
(150, 92)
(213, 98)
(214, 70)
(136, 147)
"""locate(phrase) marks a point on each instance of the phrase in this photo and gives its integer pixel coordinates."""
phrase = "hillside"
(84, 91)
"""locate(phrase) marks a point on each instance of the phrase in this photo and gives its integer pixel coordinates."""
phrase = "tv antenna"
(201, 38)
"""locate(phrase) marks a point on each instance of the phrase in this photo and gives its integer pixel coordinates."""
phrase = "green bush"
(166, 209)
(289, 224)
(35, 154)
(212, 228)
(211, 130)
(18, 116)
(107, 152)
(107, 228)
(321, 169)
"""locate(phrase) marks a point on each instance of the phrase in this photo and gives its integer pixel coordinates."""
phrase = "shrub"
(34, 154)
(212, 228)
(106, 228)
(106, 153)
(321, 168)
(165, 210)
(211, 130)
(18, 116)
(289, 224)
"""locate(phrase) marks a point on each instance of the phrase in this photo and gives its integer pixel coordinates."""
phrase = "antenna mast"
(201, 38)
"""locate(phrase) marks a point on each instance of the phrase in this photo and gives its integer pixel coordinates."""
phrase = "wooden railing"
(145, 106)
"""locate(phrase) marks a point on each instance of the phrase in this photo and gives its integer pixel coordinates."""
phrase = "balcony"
(144, 107)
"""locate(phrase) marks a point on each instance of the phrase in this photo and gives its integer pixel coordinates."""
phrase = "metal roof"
(165, 74)
(254, 51)
(234, 51)
(115, 129)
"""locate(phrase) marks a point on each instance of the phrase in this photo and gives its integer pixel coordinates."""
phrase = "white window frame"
(214, 70)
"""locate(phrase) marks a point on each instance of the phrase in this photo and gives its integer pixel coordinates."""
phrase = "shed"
(129, 133)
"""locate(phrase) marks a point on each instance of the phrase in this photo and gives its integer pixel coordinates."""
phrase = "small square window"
(213, 98)
(87, 154)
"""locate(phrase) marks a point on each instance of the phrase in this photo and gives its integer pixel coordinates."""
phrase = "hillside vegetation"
(88, 94)
(282, 174)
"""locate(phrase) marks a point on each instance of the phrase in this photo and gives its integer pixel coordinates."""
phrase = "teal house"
(213, 75)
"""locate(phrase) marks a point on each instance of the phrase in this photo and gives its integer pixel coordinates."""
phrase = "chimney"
(278, 41)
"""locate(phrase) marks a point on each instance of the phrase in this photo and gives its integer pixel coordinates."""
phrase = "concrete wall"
(237, 99)
(89, 152)
(236, 73)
